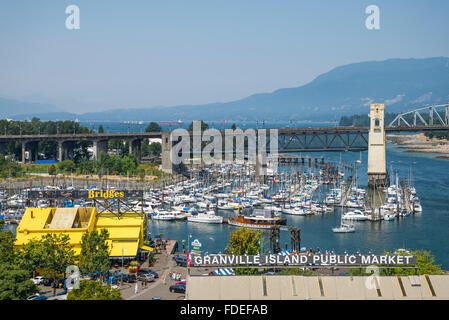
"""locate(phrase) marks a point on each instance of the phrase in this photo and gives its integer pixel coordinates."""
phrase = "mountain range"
(401, 84)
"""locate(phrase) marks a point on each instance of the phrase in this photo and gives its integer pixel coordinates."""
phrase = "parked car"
(182, 281)
(148, 271)
(38, 280)
(179, 288)
(181, 261)
(146, 276)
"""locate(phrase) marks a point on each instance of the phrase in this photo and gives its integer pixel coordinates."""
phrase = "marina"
(210, 208)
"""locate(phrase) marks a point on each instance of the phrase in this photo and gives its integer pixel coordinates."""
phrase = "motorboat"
(344, 228)
(205, 217)
(163, 215)
(355, 215)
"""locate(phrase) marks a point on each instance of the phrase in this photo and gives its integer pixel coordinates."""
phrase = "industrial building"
(126, 231)
(294, 287)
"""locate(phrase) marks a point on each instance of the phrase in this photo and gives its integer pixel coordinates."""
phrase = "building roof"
(126, 234)
(295, 287)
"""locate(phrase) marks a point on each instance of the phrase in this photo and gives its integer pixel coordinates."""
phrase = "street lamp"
(123, 250)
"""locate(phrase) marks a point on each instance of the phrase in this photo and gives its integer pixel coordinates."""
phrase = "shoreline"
(419, 143)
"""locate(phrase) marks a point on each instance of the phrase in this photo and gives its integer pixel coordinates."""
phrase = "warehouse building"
(286, 287)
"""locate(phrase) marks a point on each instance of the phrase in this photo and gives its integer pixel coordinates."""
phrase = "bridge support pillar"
(60, 149)
(98, 147)
(167, 165)
(34, 149)
(377, 161)
(23, 151)
(135, 146)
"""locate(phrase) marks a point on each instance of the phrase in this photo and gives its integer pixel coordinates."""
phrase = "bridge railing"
(436, 115)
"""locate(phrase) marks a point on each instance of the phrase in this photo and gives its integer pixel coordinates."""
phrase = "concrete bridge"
(335, 138)
(99, 140)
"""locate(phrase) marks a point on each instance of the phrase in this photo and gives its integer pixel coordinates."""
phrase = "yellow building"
(126, 233)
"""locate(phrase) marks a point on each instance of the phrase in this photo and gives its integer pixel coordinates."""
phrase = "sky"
(144, 53)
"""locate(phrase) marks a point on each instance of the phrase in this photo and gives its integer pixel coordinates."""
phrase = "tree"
(100, 129)
(52, 170)
(7, 239)
(155, 148)
(245, 241)
(153, 127)
(57, 255)
(94, 290)
(204, 126)
(425, 264)
(67, 166)
(15, 281)
(94, 254)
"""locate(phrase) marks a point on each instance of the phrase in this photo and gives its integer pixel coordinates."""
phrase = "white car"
(38, 280)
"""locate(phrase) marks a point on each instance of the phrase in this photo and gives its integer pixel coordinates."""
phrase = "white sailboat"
(344, 227)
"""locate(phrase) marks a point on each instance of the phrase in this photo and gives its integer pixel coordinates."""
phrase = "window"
(376, 122)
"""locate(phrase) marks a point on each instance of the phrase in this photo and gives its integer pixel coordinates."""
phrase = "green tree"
(245, 241)
(15, 281)
(52, 170)
(425, 264)
(100, 129)
(94, 290)
(57, 255)
(94, 254)
(66, 166)
(155, 148)
(153, 127)
(204, 126)
(7, 239)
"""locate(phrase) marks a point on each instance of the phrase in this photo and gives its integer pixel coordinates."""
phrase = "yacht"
(205, 217)
(356, 215)
(296, 211)
(163, 215)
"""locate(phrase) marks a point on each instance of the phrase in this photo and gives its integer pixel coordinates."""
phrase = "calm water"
(426, 230)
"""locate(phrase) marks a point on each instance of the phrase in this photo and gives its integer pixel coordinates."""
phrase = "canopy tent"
(224, 272)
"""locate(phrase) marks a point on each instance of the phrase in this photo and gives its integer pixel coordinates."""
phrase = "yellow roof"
(125, 233)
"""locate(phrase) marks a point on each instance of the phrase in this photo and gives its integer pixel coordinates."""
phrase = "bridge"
(336, 138)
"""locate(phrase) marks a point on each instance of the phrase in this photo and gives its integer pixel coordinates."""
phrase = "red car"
(180, 282)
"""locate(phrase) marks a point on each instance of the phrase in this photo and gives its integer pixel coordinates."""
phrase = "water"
(427, 230)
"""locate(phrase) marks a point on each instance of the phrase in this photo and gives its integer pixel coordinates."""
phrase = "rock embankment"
(422, 144)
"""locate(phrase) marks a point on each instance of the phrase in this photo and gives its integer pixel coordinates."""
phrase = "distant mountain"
(11, 107)
(401, 84)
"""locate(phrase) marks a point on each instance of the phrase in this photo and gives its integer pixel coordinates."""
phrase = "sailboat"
(360, 160)
(343, 228)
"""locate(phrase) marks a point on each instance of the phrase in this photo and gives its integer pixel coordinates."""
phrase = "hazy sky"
(168, 52)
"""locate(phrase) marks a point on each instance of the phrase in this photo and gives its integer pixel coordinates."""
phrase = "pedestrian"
(136, 288)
